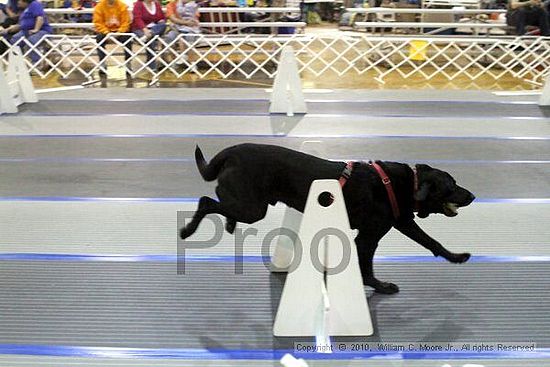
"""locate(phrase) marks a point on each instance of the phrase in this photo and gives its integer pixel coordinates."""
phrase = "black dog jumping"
(252, 176)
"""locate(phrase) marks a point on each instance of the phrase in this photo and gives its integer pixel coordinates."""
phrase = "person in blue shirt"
(11, 13)
(33, 25)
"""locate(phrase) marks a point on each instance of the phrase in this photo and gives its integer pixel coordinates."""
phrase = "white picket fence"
(249, 56)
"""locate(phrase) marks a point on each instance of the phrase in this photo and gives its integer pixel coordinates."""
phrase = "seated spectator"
(5, 22)
(184, 19)
(112, 16)
(32, 26)
(149, 22)
(11, 12)
(528, 12)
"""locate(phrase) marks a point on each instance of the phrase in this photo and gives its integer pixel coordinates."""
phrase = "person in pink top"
(149, 22)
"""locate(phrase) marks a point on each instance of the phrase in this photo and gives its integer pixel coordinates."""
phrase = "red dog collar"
(346, 173)
(387, 183)
(415, 189)
(344, 177)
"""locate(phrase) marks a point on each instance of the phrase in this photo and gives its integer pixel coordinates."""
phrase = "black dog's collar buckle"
(347, 171)
(346, 174)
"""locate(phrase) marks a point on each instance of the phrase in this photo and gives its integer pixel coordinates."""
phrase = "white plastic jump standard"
(287, 96)
(304, 309)
(284, 249)
(16, 86)
(288, 360)
(544, 99)
(7, 104)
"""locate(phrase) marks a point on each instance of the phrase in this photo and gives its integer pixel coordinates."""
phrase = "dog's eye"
(446, 188)
(450, 188)
(452, 180)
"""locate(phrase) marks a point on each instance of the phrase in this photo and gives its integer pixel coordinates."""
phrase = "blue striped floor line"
(481, 259)
(192, 160)
(96, 160)
(266, 114)
(251, 354)
(451, 102)
(358, 101)
(274, 136)
(195, 200)
(100, 199)
(365, 117)
(511, 201)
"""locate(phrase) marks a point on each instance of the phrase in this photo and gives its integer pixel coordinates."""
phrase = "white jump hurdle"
(284, 249)
(15, 85)
(544, 99)
(323, 294)
(288, 360)
(287, 96)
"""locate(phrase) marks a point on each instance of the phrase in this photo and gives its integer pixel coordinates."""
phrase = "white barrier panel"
(544, 99)
(340, 55)
(16, 86)
(304, 310)
(284, 249)
(287, 96)
(288, 360)
(7, 104)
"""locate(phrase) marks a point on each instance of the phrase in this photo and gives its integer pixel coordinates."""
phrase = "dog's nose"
(472, 197)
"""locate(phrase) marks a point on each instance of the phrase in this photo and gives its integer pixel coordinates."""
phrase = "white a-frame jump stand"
(284, 249)
(323, 294)
(287, 96)
(544, 99)
(16, 86)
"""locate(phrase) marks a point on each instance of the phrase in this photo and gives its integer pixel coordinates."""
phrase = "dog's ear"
(425, 186)
(422, 192)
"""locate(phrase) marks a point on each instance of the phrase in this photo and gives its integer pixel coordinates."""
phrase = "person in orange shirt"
(112, 16)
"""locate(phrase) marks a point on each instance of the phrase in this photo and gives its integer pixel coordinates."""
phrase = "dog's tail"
(208, 171)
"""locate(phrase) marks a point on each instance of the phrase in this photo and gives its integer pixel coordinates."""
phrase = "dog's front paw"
(460, 258)
(382, 287)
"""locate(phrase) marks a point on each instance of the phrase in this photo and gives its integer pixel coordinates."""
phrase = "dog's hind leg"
(230, 225)
(240, 205)
(206, 206)
(226, 207)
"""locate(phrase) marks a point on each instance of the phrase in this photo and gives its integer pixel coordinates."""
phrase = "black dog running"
(252, 176)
